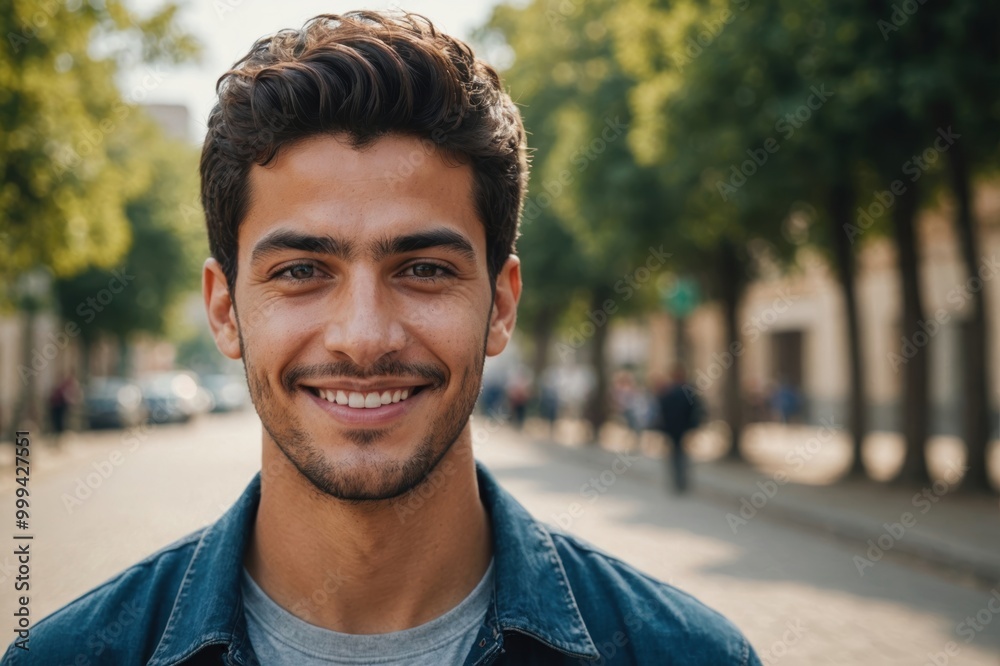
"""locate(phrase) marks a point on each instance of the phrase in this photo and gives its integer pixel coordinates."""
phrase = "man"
(362, 179)
(680, 411)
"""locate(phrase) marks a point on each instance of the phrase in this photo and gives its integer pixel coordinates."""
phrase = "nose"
(364, 325)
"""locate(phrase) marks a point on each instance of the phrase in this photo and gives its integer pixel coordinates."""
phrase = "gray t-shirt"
(280, 638)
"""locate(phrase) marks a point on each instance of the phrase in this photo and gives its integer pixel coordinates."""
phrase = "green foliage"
(67, 153)
(164, 259)
(709, 109)
(592, 210)
(715, 80)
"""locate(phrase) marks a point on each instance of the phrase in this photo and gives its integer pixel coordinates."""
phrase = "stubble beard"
(382, 480)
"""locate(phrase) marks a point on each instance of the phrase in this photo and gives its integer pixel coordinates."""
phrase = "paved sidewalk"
(794, 479)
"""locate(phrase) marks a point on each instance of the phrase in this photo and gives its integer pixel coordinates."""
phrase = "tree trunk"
(975, 375)
(26, 410)
(542, 337)
(680, 343)
(597, 404)
(731, 271)
(83, 375)
(842, 204)
(913, 360)
(123, 361)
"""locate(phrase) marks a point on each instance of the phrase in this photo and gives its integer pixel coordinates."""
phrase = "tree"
(585, 180)
(713, 156)
(163, 261)
(954, 84)
(65, 171)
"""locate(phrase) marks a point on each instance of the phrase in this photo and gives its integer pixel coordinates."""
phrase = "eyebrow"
(285, 239)
(422, 240)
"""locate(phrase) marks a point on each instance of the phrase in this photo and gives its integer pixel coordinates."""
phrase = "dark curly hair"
(365, 75)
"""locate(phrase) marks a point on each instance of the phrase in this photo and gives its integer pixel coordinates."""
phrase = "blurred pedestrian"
(786, 402)
(633, 403)
(680, 411)
(623, 390)
(63, 396)
(548, 399)
(518, 395)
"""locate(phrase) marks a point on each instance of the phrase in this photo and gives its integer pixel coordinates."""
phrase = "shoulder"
(120, 621)
(638, 618)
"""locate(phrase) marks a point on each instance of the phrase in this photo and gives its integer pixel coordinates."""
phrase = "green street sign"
(681, 297)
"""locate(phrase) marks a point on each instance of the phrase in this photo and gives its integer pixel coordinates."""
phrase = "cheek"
(270, 329)
(446, 328)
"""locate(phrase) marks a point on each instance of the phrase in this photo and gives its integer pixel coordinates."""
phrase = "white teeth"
(359, 400)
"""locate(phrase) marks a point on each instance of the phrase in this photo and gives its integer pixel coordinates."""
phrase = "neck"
(375, 567)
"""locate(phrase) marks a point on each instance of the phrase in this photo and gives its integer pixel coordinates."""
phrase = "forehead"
(396, 185)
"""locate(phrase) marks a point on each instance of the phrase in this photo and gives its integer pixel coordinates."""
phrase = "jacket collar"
(208, 609)
(532, 594)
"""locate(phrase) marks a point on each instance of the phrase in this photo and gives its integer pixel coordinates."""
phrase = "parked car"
(174, 397)
(113, 402)
(228, 391)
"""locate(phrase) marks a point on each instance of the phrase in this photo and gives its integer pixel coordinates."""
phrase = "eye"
(296, 273)
(427, 271)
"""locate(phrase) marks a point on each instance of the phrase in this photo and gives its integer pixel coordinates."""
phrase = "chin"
(369, 474)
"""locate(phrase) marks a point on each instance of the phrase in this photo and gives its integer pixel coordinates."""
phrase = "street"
(108, 499)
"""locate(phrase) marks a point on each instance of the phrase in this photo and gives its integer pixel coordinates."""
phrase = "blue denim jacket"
(556, 600)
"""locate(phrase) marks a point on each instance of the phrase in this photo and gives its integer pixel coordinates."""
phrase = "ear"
(219, 306)
(504, 315)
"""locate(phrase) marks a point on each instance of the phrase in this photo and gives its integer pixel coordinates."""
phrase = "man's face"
(363, 310)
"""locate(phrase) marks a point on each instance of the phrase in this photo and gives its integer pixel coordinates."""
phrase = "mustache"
(381, 368)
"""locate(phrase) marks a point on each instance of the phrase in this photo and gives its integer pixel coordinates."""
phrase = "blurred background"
(757, 350)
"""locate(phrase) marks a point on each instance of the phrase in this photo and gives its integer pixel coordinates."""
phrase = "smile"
(364, 399)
